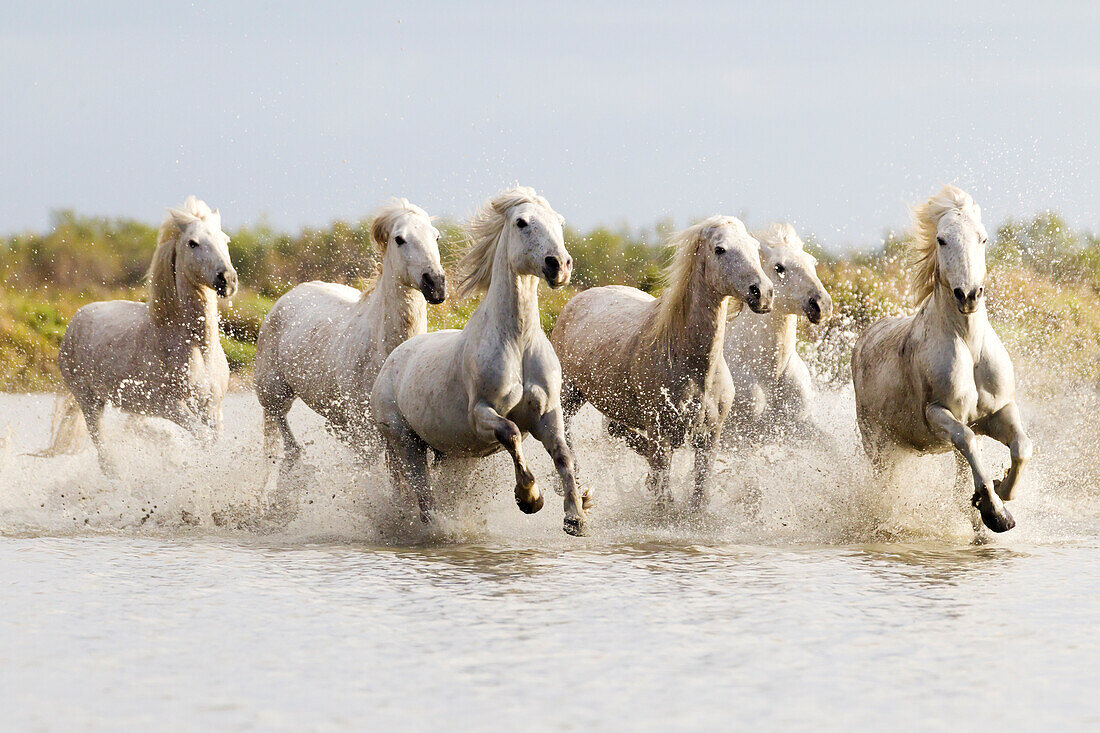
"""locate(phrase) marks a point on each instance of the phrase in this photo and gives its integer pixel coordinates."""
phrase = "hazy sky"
(832, 115)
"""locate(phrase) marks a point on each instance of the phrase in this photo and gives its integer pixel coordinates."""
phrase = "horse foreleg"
(550, 431)
(490, 426)
(704, 445)
(989, 504)
(1005, 426)
(181, 414)
(963, 488)
(660, 477)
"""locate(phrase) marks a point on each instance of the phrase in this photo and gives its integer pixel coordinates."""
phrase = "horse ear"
(180, 218)
(216, 217)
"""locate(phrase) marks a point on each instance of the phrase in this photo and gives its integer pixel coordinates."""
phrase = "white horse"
(773, 387)
(935, 380)
(326, 343)
(162, 358)
(654, 366)
(475, 391)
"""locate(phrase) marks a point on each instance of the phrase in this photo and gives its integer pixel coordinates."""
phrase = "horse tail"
(68, 431)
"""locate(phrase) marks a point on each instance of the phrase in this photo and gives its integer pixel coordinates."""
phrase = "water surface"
(806, 598)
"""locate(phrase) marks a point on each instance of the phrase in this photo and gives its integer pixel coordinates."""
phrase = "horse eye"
(780, 269)
(399, 241)
(192, 244)
(521, 223)
(942, 241)
(719, 250)
(984, 240)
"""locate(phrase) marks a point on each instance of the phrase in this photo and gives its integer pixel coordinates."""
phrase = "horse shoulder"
(994, 375)
(795, 386)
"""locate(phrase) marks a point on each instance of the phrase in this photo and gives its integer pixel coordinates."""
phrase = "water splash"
(773, 495)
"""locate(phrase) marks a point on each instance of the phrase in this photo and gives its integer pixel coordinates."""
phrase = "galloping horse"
(772, 383)
(326, 343)
(475, 391)
(936, 380)
(654, 366)
(162, 358)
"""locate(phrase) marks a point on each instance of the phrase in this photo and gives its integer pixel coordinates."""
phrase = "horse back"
(596, 339)
(101, 340)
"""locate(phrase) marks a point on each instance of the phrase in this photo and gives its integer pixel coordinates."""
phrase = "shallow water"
(807, 597)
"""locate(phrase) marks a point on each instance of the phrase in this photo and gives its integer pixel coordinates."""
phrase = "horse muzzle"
(968, 302)
(759, 301)
(556, 272)
(819, 311)
(434, 288)
(225, 283)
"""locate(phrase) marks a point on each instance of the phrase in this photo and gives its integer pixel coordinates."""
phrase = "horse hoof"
(1006, 493)
(576, 526)
(1001, 521)
(527, 505)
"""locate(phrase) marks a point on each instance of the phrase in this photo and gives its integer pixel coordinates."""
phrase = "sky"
(834, 116)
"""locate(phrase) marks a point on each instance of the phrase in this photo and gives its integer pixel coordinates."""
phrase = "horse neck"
(398, 311)
(696, 342)
(767, 340)
(940, 308)
(195, 313)
(512, 301)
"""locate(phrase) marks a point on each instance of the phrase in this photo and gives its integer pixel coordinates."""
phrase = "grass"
(1044, 288)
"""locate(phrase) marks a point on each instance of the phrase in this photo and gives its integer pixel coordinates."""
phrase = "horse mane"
(779, 234)
(164, 302)
(675, 300)
(926, 218)
(483, 233)
(380, 228)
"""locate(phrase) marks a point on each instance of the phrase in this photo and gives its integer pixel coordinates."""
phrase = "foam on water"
(774, 495)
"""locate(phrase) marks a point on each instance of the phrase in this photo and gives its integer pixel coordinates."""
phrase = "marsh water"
(807, 597)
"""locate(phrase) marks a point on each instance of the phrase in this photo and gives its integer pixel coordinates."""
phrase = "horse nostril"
(220, 279)
(754, 291)
(981, 290)
(568, 262)
(959, 294)
(552, 264)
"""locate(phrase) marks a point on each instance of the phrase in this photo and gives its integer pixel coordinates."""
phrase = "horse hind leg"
(275, 399)
(407, 458)
(658, 480)
(93, 413)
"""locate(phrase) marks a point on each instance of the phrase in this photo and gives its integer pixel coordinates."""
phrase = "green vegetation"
(1044, 287)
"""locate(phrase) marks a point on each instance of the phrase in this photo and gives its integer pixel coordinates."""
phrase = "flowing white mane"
(779, 234)
(926, 219)
(380, 228)
(387, 216)
(475, 269)
(675, 300)
(164, 303)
